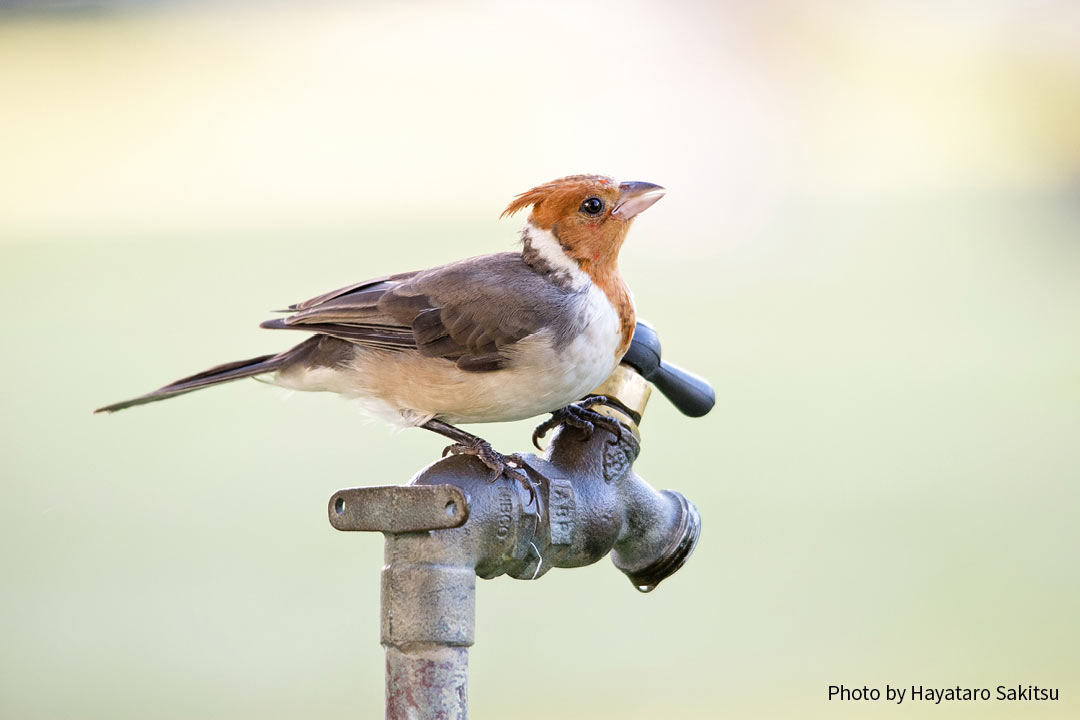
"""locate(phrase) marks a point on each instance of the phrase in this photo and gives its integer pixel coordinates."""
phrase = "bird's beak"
(635, 197)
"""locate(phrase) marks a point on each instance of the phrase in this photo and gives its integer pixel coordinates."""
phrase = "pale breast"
(590, 357)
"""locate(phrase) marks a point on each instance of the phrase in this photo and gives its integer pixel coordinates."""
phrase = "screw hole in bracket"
(451, 509)
(339, 505)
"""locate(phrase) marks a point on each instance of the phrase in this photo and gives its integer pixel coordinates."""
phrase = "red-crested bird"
(492, 338)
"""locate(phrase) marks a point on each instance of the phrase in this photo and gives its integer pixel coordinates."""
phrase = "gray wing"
(470, 312)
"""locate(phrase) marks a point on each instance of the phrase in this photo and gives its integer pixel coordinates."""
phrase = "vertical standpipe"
(428, 624)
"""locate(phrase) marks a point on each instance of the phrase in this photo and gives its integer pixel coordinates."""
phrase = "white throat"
(546, 248)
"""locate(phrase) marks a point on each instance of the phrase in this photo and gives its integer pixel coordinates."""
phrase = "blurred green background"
(871, 246)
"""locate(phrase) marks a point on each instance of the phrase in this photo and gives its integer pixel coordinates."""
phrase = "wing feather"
(470, 312)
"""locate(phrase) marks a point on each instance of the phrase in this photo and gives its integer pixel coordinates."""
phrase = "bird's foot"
(578, 415)
(469, 444)
(499, 464)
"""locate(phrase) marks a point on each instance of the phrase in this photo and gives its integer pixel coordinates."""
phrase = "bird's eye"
(592, 206)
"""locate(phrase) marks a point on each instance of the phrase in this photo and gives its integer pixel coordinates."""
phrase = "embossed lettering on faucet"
(616, 462)
(506, 509)
(561, 498)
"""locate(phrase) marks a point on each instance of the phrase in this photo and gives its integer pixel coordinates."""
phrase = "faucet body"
(451, 524)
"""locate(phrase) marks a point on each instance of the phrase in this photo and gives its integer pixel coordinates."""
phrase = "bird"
(493, 338)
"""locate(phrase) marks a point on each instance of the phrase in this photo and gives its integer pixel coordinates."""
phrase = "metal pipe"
(451, 524)
(428, 624)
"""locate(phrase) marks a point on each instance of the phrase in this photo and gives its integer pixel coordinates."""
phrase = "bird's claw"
(557, 418)
(510, 465)
(579, 415)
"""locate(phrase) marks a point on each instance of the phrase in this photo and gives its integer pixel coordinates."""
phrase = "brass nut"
(631, 390)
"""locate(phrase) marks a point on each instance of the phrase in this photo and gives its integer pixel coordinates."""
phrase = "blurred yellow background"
(871, 246)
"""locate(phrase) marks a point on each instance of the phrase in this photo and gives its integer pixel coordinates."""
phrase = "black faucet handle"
(691, 394)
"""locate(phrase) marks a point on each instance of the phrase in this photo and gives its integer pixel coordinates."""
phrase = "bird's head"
(588, 215)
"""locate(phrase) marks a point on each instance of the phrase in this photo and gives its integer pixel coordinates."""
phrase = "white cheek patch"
(550, 251)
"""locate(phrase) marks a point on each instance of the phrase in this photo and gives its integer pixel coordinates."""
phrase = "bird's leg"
(469, 444)
(578, 415)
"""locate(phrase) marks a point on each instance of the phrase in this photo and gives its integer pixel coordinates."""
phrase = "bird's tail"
(214, 376)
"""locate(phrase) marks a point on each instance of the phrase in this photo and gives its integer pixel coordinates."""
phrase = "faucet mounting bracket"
(399, 508)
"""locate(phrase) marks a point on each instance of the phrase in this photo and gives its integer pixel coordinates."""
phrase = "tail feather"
(214, 376)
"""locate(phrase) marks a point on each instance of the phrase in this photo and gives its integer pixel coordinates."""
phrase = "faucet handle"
(691, 394)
